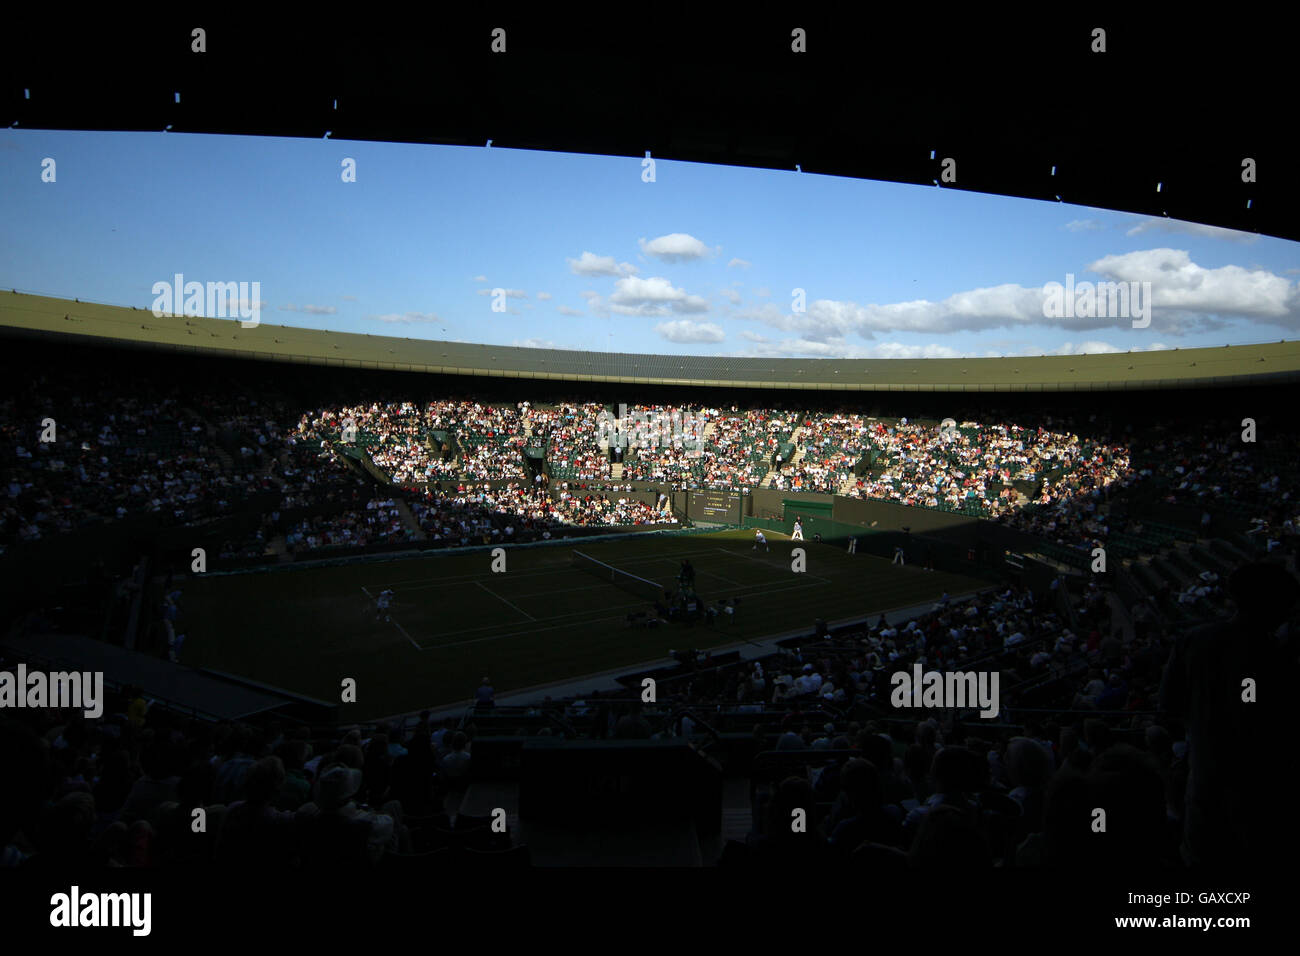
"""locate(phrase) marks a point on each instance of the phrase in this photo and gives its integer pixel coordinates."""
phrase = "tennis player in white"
(760, 539)
(382, 603)
(798, 531)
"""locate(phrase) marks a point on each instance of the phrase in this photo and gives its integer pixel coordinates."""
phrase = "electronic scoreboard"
(721, 507)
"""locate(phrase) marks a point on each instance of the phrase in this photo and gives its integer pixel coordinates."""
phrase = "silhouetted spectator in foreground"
(1236, 767)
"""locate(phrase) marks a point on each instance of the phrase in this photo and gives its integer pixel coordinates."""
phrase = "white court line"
(675, 568)
(769, 564)
(720, 577)
(496, 637)
(558, 567)
(554, 617)
(395, 624)
(405, 635)
(504, 601)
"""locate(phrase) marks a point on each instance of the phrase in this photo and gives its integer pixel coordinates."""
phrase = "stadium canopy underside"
(1010, 105)
(87, 323)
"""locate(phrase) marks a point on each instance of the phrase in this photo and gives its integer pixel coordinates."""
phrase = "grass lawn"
(454, 621)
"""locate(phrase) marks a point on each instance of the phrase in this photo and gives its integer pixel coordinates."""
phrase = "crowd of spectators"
(379, 522)
(515, 512)
(121, 791)
(831, 446)
(1096, 709)
(73, 457)
(191, 459)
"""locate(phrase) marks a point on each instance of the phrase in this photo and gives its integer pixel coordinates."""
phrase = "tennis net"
(641, 587)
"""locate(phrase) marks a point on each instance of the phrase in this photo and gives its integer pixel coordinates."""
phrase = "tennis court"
(453, 620)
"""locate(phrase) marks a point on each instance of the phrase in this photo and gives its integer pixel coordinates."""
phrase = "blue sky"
(703, 260)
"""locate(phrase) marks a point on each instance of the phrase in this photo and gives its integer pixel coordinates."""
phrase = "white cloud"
(310, 309)
(509, 293)
(480, 278)
(404, 317)
(732, 295)
(838, 347)
(350, 298)
(1190, 296)
(1179, 227)
(589, 264)
(1185, 297)
(687, 330)
(544, 296)
(674, 247)
(1091, 347)
(648, 297)
(1085, 348)
(1083, 225)
(540, 344)
(738, 264)
(565, 310)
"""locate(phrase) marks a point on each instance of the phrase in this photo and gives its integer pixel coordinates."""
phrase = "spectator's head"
(1159, 742)
(350, 755)
(861, 783)
(337, 786)
(1028, 763)
(877, 749)
(264, 780)
(958, 770)
(293, 754)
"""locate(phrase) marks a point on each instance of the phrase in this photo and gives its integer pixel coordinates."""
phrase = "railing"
(688, 712)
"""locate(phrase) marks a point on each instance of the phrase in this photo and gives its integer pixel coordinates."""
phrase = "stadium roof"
(1024, 106)
(91, 323)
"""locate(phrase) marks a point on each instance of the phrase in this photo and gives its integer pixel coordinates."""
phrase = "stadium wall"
(879, 516)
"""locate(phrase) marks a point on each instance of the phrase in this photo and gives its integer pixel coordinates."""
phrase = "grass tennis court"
(454, 621)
